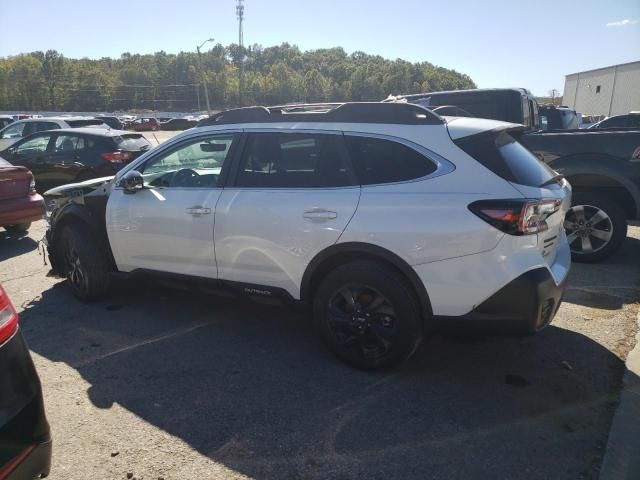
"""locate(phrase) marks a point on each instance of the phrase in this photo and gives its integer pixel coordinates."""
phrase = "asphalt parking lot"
(162, 383)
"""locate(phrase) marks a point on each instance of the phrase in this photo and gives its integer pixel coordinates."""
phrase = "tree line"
(173, 82)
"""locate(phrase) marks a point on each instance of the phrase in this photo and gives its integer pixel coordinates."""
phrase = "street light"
(204, 80)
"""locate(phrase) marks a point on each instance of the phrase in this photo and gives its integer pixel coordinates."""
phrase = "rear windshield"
(132, 142)
(84, 123)
(507, 158)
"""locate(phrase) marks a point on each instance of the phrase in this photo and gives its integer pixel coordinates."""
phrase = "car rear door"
(168, 226)
(291, 196)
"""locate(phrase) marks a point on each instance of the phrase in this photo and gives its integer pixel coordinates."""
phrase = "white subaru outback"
(386, 219)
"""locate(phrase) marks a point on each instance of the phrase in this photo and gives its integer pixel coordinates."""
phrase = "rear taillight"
(117, 156)
(32, 186)
(516, 217)
(8, 317)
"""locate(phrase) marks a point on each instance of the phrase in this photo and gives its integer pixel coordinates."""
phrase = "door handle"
(320, 214)
(196, 211)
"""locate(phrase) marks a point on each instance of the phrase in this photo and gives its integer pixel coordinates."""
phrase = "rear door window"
(42, 126)
(294, 160)
(379, 160)
(66, 144)
(85, 123)
(506, 157)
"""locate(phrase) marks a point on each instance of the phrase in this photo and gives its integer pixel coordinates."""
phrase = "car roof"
(55, 119)
(99, 132)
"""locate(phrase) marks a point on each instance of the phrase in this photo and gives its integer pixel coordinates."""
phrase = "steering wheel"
(185, 177)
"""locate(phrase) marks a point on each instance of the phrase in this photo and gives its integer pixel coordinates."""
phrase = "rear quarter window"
(506, 157)
(379, 161)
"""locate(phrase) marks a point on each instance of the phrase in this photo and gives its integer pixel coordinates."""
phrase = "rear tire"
(85, 262)
(368, 315)
(603, 227)
(18, 227)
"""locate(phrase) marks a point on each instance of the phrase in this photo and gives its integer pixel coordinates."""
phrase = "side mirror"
(132, 181)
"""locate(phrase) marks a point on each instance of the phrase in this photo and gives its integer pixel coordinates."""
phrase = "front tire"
(18, 228)
(368, 315)
(85, 262)
(596, 226)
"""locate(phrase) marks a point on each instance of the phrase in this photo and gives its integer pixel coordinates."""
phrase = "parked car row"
(67, 155)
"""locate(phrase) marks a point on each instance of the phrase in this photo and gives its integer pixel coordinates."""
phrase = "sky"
(531, 44)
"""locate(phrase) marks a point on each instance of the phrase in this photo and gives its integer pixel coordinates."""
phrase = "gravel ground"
(155, 383)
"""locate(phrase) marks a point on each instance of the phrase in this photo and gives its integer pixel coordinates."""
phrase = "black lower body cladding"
(524, 306)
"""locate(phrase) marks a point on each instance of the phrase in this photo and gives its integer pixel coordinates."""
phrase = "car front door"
(168, 225)
(32, 153)
(291, 196)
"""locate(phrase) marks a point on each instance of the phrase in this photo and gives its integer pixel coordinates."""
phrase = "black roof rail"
(354, 112)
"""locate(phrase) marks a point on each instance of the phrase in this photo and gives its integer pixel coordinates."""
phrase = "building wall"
(627, 94)
(619, 90)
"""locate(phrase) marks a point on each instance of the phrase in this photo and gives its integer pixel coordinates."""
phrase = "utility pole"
(240, 15)
(204, 80)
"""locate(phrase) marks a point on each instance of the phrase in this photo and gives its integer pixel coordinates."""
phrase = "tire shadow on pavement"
(610, 284)
(248, 386)
(14, 245)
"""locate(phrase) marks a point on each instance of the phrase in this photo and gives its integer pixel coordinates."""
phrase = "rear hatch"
(14, 181)
(134, 143)
(499, 150)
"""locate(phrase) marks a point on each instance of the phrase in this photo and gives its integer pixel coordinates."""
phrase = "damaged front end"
(84, 202)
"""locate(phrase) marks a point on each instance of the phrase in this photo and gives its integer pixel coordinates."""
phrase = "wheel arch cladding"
(339, 254)
(606, 185)
(603, 172)
(74, 214)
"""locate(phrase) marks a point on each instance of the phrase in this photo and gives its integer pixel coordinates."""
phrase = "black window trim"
(235, 170)
(443, 166)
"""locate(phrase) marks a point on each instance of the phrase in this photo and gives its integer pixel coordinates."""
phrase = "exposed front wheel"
(85, 262)
(596, 226)
(367, 315)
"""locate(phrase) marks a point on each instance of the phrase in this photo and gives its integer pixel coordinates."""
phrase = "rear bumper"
(35, 464)
(21, 210)
(25, 441)
(525, 305)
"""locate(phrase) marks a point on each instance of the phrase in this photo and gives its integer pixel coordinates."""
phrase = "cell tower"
(240, 15)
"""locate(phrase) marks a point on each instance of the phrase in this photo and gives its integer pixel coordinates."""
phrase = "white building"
(605, 91)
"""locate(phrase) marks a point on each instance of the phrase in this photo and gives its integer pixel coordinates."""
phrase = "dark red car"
(144, 124)
(19, 203)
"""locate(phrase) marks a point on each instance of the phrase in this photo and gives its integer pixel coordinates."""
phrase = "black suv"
(67, 155)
